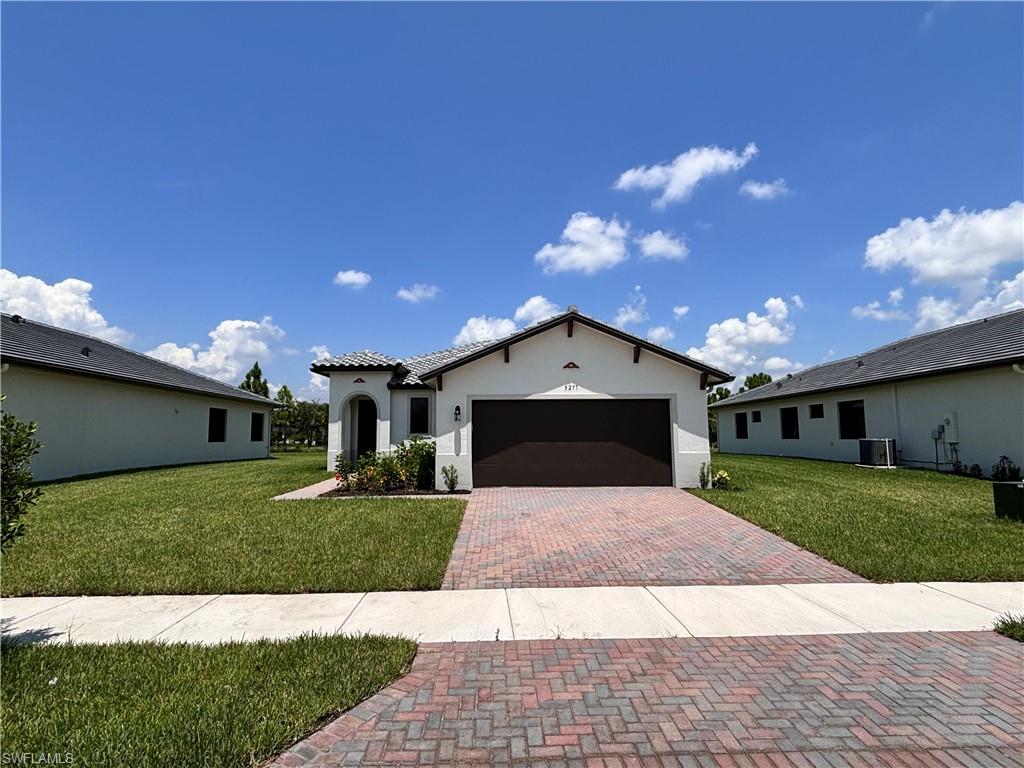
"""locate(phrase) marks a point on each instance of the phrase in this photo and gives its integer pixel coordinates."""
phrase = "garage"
(571, 442)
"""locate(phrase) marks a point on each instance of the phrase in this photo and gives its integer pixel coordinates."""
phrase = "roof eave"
(67, 369)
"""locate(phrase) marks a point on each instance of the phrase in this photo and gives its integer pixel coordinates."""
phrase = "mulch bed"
(338, 493)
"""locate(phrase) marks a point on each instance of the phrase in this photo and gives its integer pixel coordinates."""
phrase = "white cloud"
(320, 352)
(797, 301)
(661, 334)
(484, 328)
(873, 310)
(776, 365)
(418, 292)
(895, 297)
(661, 245)
(633, 311)
(352, 278)
(934, 312)
(589, 244)
(680, 311)
(960, 249)
(535, 309)
(66, 304)
(677, 179)
(735, 343)
(764, 190)
(235, 345)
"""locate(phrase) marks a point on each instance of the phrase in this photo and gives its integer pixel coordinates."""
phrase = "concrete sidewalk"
(522, 614)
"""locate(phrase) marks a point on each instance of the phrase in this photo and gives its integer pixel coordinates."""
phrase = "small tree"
(254, 381)
(281, 419)
(756, 380)
(719, 393)
(18, 447)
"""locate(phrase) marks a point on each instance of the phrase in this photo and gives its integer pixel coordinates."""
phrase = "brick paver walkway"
(947, 699)
(578, 537)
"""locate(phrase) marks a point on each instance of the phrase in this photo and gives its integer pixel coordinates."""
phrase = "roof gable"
(715, 375)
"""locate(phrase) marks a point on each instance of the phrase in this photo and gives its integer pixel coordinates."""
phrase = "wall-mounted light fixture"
(457, 416)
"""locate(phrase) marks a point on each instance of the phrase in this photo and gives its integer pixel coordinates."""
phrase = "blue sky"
(193, 164)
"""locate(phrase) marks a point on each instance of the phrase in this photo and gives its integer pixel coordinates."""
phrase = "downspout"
(896, 420)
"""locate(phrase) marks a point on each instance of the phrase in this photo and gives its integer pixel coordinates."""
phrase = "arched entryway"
(365, 426)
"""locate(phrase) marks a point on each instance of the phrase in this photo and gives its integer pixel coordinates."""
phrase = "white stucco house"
(951, 395)
(102, 408)
(569, 401)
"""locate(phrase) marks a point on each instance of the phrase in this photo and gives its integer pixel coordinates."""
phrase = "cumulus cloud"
(318, 387)
(933, 312)
(633, 311)
(484, 328)
(589, 244)
(535, 309)
(797, 301)
(352, 278)
(661, 334)
(960, 249)
(676, 180)
(65, 304)
(661, 245)
(874, 310)
(418, 292)
(320, 352)
(777, 366)
(764, 190)
(680, 311)
(735, 344)
(895, 297)
(235, 345)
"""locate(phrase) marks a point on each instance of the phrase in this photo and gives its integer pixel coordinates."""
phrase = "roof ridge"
(129, 350)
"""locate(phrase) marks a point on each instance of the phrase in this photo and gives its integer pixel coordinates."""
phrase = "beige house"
(952, 395)
(568, 401)
(101, 407)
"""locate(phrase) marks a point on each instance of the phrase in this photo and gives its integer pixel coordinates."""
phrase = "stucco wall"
(606, 369)
(344, 389)
(92, 425)
(988, 406)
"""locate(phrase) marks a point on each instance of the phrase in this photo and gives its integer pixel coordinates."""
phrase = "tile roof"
(977, 344)
(411, 371)
(32, 343)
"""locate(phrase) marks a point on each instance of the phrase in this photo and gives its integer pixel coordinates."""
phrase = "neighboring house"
(955, 394)
(568, 401)
(101, 407)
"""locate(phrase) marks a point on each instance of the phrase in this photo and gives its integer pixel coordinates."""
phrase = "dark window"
(256, 428)
(741, 426)
(755, 416)
(817, 410)
(851, 420)
(218, 426)
(790, 421)
(419, 415)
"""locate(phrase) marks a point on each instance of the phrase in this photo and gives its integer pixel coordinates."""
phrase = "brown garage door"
(571, 442)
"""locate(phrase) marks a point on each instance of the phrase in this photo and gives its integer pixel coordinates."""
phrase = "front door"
(366, 427)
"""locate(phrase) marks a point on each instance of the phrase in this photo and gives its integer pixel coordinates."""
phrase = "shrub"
(975, 470)
(18, 447)
(1004, 470)
(342, 465)
(721, 481)
(704, 475)
(416, 459)
(451, 477)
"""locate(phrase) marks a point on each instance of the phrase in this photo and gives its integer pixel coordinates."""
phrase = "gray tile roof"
(32, 343)
(980, 343)
(363, 359)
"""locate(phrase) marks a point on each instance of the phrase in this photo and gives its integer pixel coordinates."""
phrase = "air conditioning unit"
(878, 452)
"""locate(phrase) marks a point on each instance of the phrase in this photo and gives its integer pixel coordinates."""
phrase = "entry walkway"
(522, 614)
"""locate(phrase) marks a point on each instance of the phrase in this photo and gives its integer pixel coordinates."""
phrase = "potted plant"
(1007, 489)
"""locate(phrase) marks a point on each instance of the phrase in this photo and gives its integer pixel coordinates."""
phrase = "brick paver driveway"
(577, 537)
(827, 700)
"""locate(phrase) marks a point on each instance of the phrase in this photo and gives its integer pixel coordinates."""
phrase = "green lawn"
(212, 528)
(887, 525)
(148, 704)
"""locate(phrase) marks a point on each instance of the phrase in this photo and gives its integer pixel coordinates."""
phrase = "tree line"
(294, 422)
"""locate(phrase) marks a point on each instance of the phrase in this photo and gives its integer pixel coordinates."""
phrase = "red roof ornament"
(570, 364)
(358, 380)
